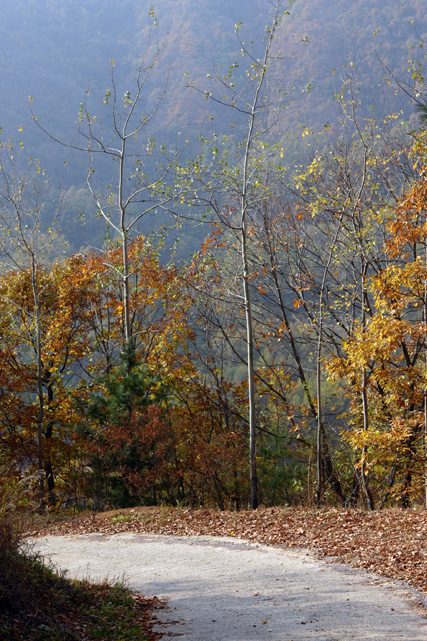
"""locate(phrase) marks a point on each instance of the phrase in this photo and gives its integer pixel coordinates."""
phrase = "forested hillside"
(54, 51)
(267, 342)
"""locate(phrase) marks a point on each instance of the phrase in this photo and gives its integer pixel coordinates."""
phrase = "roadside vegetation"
(39, 604)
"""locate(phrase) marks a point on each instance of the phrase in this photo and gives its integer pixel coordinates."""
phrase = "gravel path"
(223, 589)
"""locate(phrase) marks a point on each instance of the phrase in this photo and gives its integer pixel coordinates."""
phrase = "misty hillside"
(54, 50)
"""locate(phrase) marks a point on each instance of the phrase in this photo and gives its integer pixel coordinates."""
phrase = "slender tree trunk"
(48, 467)
(125, 256)
(365, 407)
(321, 434)
(251, 373)
(320, 426)
(425, 443)
(126, 295)
(425, 384)
(40, 398)
(255, 109)
(320, 475)
(246, 181)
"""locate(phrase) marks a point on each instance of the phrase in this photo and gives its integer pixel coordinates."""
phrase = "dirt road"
(223, 589)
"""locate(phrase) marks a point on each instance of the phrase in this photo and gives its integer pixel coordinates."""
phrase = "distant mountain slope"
(54, 49)
(367, 33)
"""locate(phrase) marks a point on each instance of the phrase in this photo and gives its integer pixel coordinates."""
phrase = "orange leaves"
(81, 328)
(398, 287)
(212, 241)
(136, 449)
(384, 364)
(410, 224)
(298, 302)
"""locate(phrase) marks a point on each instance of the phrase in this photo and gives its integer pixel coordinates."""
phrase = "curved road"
(223, 589)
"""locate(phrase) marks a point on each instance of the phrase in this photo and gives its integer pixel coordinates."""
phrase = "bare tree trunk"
(40, 412)
(425, 385)
(125, 255)
(253, 109)
(319, 444)
(320, 426)
(365, 407)
(251, 373)
(126, 295)
(324, 461)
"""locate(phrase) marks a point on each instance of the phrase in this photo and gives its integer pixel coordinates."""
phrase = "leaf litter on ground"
(391, 542)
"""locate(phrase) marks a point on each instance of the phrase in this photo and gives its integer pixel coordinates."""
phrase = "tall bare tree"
(129, 175)
(239, 184)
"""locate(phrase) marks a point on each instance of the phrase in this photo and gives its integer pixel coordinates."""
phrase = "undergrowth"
(39, 604)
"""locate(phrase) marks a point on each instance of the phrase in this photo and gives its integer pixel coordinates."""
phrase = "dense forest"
(220, 298)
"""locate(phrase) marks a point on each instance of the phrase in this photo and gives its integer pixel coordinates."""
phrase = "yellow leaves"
(397, 287)
(383, 362)
(409, 226)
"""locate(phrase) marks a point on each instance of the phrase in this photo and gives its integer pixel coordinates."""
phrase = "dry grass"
(39, 604)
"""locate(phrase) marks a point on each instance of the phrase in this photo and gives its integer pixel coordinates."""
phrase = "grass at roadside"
(39, 604)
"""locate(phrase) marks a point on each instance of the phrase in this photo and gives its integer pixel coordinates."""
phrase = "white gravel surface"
(224, 589)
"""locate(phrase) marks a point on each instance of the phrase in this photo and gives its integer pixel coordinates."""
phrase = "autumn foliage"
(389, 351)
(339, 294)
(117, 430)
